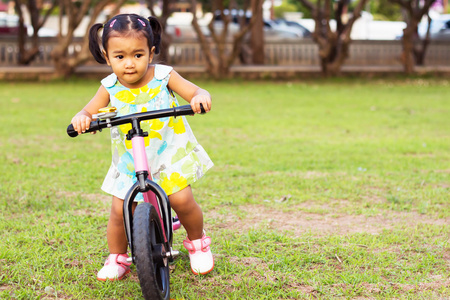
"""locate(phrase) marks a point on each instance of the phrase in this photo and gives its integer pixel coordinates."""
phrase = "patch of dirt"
(299, 222)
(438, 283)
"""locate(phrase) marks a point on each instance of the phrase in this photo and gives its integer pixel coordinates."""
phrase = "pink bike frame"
(155, 195)
(140, 164)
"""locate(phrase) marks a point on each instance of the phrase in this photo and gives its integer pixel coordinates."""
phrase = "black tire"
(148, 249)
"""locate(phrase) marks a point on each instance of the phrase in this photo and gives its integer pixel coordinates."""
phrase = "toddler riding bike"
(154, 152)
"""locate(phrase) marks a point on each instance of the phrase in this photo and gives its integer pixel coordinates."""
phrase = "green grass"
(336, 150)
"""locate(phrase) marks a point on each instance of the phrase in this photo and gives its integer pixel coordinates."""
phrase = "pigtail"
(94, 43)
(157, 29)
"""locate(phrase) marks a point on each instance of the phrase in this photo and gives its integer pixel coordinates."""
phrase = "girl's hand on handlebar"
(81, 122)
(202, 99)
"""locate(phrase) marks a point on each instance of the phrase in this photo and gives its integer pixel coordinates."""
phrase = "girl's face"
(129, 57)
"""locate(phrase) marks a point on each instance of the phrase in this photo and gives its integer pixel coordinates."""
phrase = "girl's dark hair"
(124, 24)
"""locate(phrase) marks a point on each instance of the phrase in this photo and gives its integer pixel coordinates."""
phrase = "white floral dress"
(175, 158)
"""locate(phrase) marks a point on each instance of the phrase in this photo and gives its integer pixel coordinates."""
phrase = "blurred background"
(46, 38)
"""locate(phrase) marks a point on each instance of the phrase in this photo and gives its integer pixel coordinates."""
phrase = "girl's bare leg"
(189, 212)
(115, 232)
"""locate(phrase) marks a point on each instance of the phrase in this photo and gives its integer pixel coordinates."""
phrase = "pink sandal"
(202, 261)
(115, 268)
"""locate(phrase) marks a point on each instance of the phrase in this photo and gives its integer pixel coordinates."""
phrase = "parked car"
(186, 31)
(294, 27)
(43, 31)
(9, 24)
(439, 28)
(273, 29)
(180, 27)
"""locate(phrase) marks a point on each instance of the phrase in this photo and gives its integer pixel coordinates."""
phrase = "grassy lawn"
(321, 189)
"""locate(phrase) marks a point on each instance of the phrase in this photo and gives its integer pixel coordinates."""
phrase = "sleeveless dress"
(174, 156)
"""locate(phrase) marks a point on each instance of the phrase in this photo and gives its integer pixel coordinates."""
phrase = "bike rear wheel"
(149, 251)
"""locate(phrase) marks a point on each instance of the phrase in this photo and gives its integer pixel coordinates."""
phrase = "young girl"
(128, 44)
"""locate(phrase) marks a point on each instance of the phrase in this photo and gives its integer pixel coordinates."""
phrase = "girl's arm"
(190, 92)
(82, 120)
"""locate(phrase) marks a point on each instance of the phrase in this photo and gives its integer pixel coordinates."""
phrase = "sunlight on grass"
(323, 150)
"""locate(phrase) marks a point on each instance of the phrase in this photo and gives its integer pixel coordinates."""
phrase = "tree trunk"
(219, 58)
(421, 49)
(65, 63)
(339, 51)
(26, 56)
(257, 34)
(166, 39)
(333, 45)
(61, 58)
(408, 49)
(415, 10)
(22, 35)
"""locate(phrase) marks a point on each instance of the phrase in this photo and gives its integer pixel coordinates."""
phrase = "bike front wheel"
(149, 251)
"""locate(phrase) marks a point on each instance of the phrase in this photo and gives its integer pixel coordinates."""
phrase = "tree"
(37, 18)
(64, 62)
(421, 48)
(333, 45)
(167, 10)
(219, 58)
(413, 49)
(257, 34)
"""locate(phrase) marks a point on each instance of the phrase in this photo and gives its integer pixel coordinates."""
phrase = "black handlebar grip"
(202, 109)
(71, 132)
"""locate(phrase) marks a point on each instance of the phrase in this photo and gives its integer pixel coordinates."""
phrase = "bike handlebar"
(149, 115)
